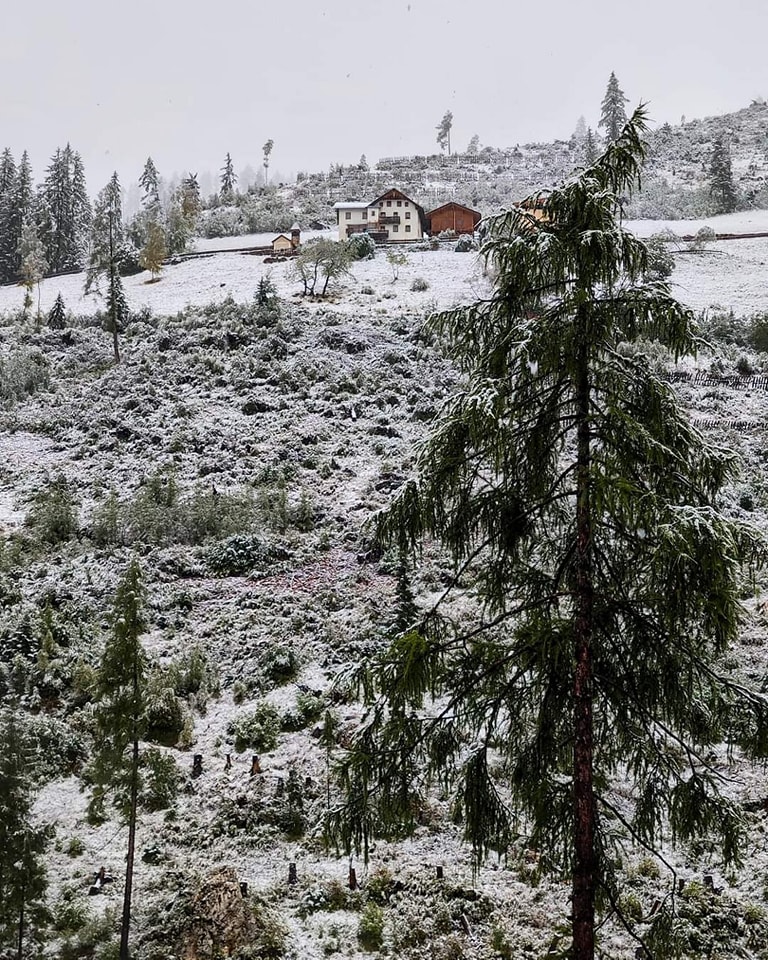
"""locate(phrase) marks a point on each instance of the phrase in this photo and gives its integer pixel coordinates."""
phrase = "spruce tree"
(570, 489)
(120, 722)
(613, 115)
(149, 181)
(107, 234)
(8, 243)
(64, 211)
(721, 185)
(22, 872)
(228, 179)
(590, 147)
(444, 132)
(33, 263)
(267, 151)
(57, 315)
(191, 204)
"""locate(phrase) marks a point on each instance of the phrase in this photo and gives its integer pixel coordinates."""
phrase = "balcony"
(387, 219)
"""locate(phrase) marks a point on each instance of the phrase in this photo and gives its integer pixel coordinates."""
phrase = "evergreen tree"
(580, 133)
(228, 179)
(22, 872)
(613, 115)
(721, 185)
(64, 211)
(107, 233)
(473, 147)
(8, 243)
(57, 315)
(191, 204)
(590, 147)
(572, 492)
(149, 181)
(120, 722)
(444, 131)
(267, 151)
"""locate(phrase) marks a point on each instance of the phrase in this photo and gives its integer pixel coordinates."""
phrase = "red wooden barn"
(453, 216)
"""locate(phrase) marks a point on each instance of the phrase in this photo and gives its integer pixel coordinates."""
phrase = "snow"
(745, 221)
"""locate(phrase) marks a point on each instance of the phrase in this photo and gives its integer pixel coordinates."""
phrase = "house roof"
(457, 206)
(351, 205)
(281, 236)
(394, 194)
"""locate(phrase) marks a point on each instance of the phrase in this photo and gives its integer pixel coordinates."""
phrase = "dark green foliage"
(661, 263)
(361, 246)
(568, 487)
(370, 931)
(53, 514)
(721, 185)
(613, 116)
(57, 315)
(22, 873)
(243, 554)
(257, 729)
(23, 373)
(160, 780)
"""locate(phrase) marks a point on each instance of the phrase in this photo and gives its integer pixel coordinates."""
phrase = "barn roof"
(457, 206)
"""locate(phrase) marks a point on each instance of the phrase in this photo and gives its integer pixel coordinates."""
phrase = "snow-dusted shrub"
(242, 554)
(165, 713)
(465, 244)
(661, 263)
(257, 729)
(193, 676)
(23, 373)
(370, 931)
(222, 222)
(278, 664)
(419, 285)
(53, 514)
(160, 784)
(362, 246)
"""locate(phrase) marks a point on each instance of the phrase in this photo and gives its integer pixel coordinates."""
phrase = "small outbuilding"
(282, 245)
(453, 216)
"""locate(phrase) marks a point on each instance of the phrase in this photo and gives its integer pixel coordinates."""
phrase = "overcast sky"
(329, 80)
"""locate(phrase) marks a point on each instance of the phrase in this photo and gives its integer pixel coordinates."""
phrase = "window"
(406, 204)
(389, 203)
(395, 228)
(399, 203)
(365, 214)
(407, 228)
(348, 214)
(408, 215)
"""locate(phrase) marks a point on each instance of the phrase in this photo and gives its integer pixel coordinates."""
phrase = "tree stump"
(680, 885)
(352, 878)
(197, 765)
(439, 872)
(293, 876)
(280, 788)
(709, 881)
(255, 765)
(244, 888)
(228, 763)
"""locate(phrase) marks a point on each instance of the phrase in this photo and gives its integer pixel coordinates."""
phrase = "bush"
(241, 554)
(661, 263)
(278, 664)
(161, 780)
(22, 374)
(362, 246)
(165, 712)
(53, 515)
(370, 931)
(465, 244)
(257, 730)
(191, 675)
(419, 285)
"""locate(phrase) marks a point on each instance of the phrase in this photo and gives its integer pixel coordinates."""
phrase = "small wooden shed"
(282, 245)
(453, 216)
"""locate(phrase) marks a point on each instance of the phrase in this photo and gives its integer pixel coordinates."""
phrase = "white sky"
(328, 80)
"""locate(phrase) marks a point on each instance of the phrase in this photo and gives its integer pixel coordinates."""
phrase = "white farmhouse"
(392, 216)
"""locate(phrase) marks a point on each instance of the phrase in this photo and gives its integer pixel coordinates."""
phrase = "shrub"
(241, 554)
(419, 285)
(161, 780)
(257, 730)
(192, 675)
(362, 246)
(744, 366)
(370, 931)
(53, 514)
(465, 244)
(22, 374)
(661, 263)
(165, 712)
(278, 664)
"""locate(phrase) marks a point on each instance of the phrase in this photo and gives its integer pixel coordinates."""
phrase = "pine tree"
(149, 181)
(191, 204)
(81, 212)
(444, 131)
(590, 147)
(57, 315)
(613, 115)
(572, 492)
(107, 234)
(22, 872)
(228, 179)
(267, 152)
(580, 133)
(721, 185)
(64, 211)
(8, 242)
(473, 147)
(120, 722)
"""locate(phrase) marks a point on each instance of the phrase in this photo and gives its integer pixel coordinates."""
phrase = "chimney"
(295, 236)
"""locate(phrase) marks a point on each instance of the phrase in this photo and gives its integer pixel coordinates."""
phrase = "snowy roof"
(351, 205)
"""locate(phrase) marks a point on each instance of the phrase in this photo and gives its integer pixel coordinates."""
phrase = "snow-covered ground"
(745, 221)
(203, 245)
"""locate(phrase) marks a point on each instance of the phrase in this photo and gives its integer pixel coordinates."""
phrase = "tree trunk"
(20, 953)
(584, 807)
(126, 921)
